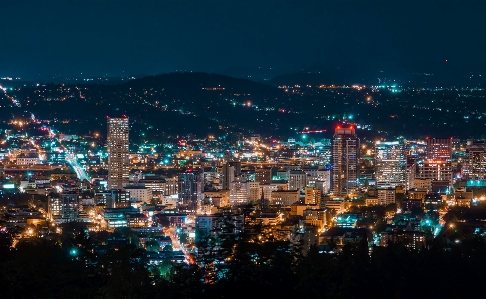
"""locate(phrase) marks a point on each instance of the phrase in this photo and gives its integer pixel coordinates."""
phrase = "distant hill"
(258, 74)
(311, 78)
(198, 82)
(172, 105)
(161, 106)
(339, 75)
(428, 75)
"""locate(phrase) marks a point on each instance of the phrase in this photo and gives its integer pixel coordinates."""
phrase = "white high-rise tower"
(345, 159)
(390, 161)
(118, 154)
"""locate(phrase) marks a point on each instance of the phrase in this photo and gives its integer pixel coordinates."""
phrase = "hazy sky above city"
(43, 38)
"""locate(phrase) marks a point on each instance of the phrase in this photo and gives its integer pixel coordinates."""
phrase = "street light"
(73, 252)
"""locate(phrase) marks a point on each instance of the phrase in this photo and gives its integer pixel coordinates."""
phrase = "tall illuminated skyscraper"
(118, 154)
(191, 188)
(345, 159)
(390, 164)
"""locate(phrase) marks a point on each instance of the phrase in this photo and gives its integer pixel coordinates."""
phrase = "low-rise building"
(139, 193)
(29, 159)
(339, 205)
(219, 224)
(285, 197)
(386, 196)
(411, 239)
(372, 201)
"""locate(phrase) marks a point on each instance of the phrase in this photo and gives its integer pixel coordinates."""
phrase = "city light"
(179, 179)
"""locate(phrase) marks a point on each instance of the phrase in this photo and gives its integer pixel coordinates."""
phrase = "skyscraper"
(474, 166)
(312, 196)
(191, 188)
(239, 191)
(345, 159)
(228, 175)
(118, 154)
(297, 179)
(438, 165)
(230, 170)
(439, 149)
(70, 205)
(390, 163)
(263, 175)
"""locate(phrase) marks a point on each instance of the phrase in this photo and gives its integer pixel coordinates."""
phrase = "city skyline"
(198, 203)
(217, 149)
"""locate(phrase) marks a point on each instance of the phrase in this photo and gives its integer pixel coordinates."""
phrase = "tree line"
(67, 267)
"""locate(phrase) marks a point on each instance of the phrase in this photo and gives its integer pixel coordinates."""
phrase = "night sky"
(45, 38)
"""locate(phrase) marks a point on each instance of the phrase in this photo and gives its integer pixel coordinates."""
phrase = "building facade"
(297, 179)
(118, 153)
(239, 191)
(474, 166)
(139, 193)
(190, 189)
(345, 159)
(390, 164)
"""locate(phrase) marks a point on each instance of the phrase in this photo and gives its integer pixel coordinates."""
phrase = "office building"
(55, 206)
(263, 175)
(70, 206)
(297, 179)
(474, 166)
(438, 164)
(139, 193)
(325, 153)
(114, 198)
(267, 189)
(191, 189)
(118, 154)
(345, 159)
(165, 186)
(439, 149)
(220, 198)
(312, 196)
(410, 239)
(285, 197)
(435, 170)
(315, 217)
(228, 175)
(239, 191)
(255, 191)
(390, 164)
(386, 196)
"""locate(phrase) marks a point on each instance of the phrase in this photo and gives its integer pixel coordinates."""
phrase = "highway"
(80, 172)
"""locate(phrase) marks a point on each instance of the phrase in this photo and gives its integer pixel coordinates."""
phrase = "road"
(177, 246)
(80, 172)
